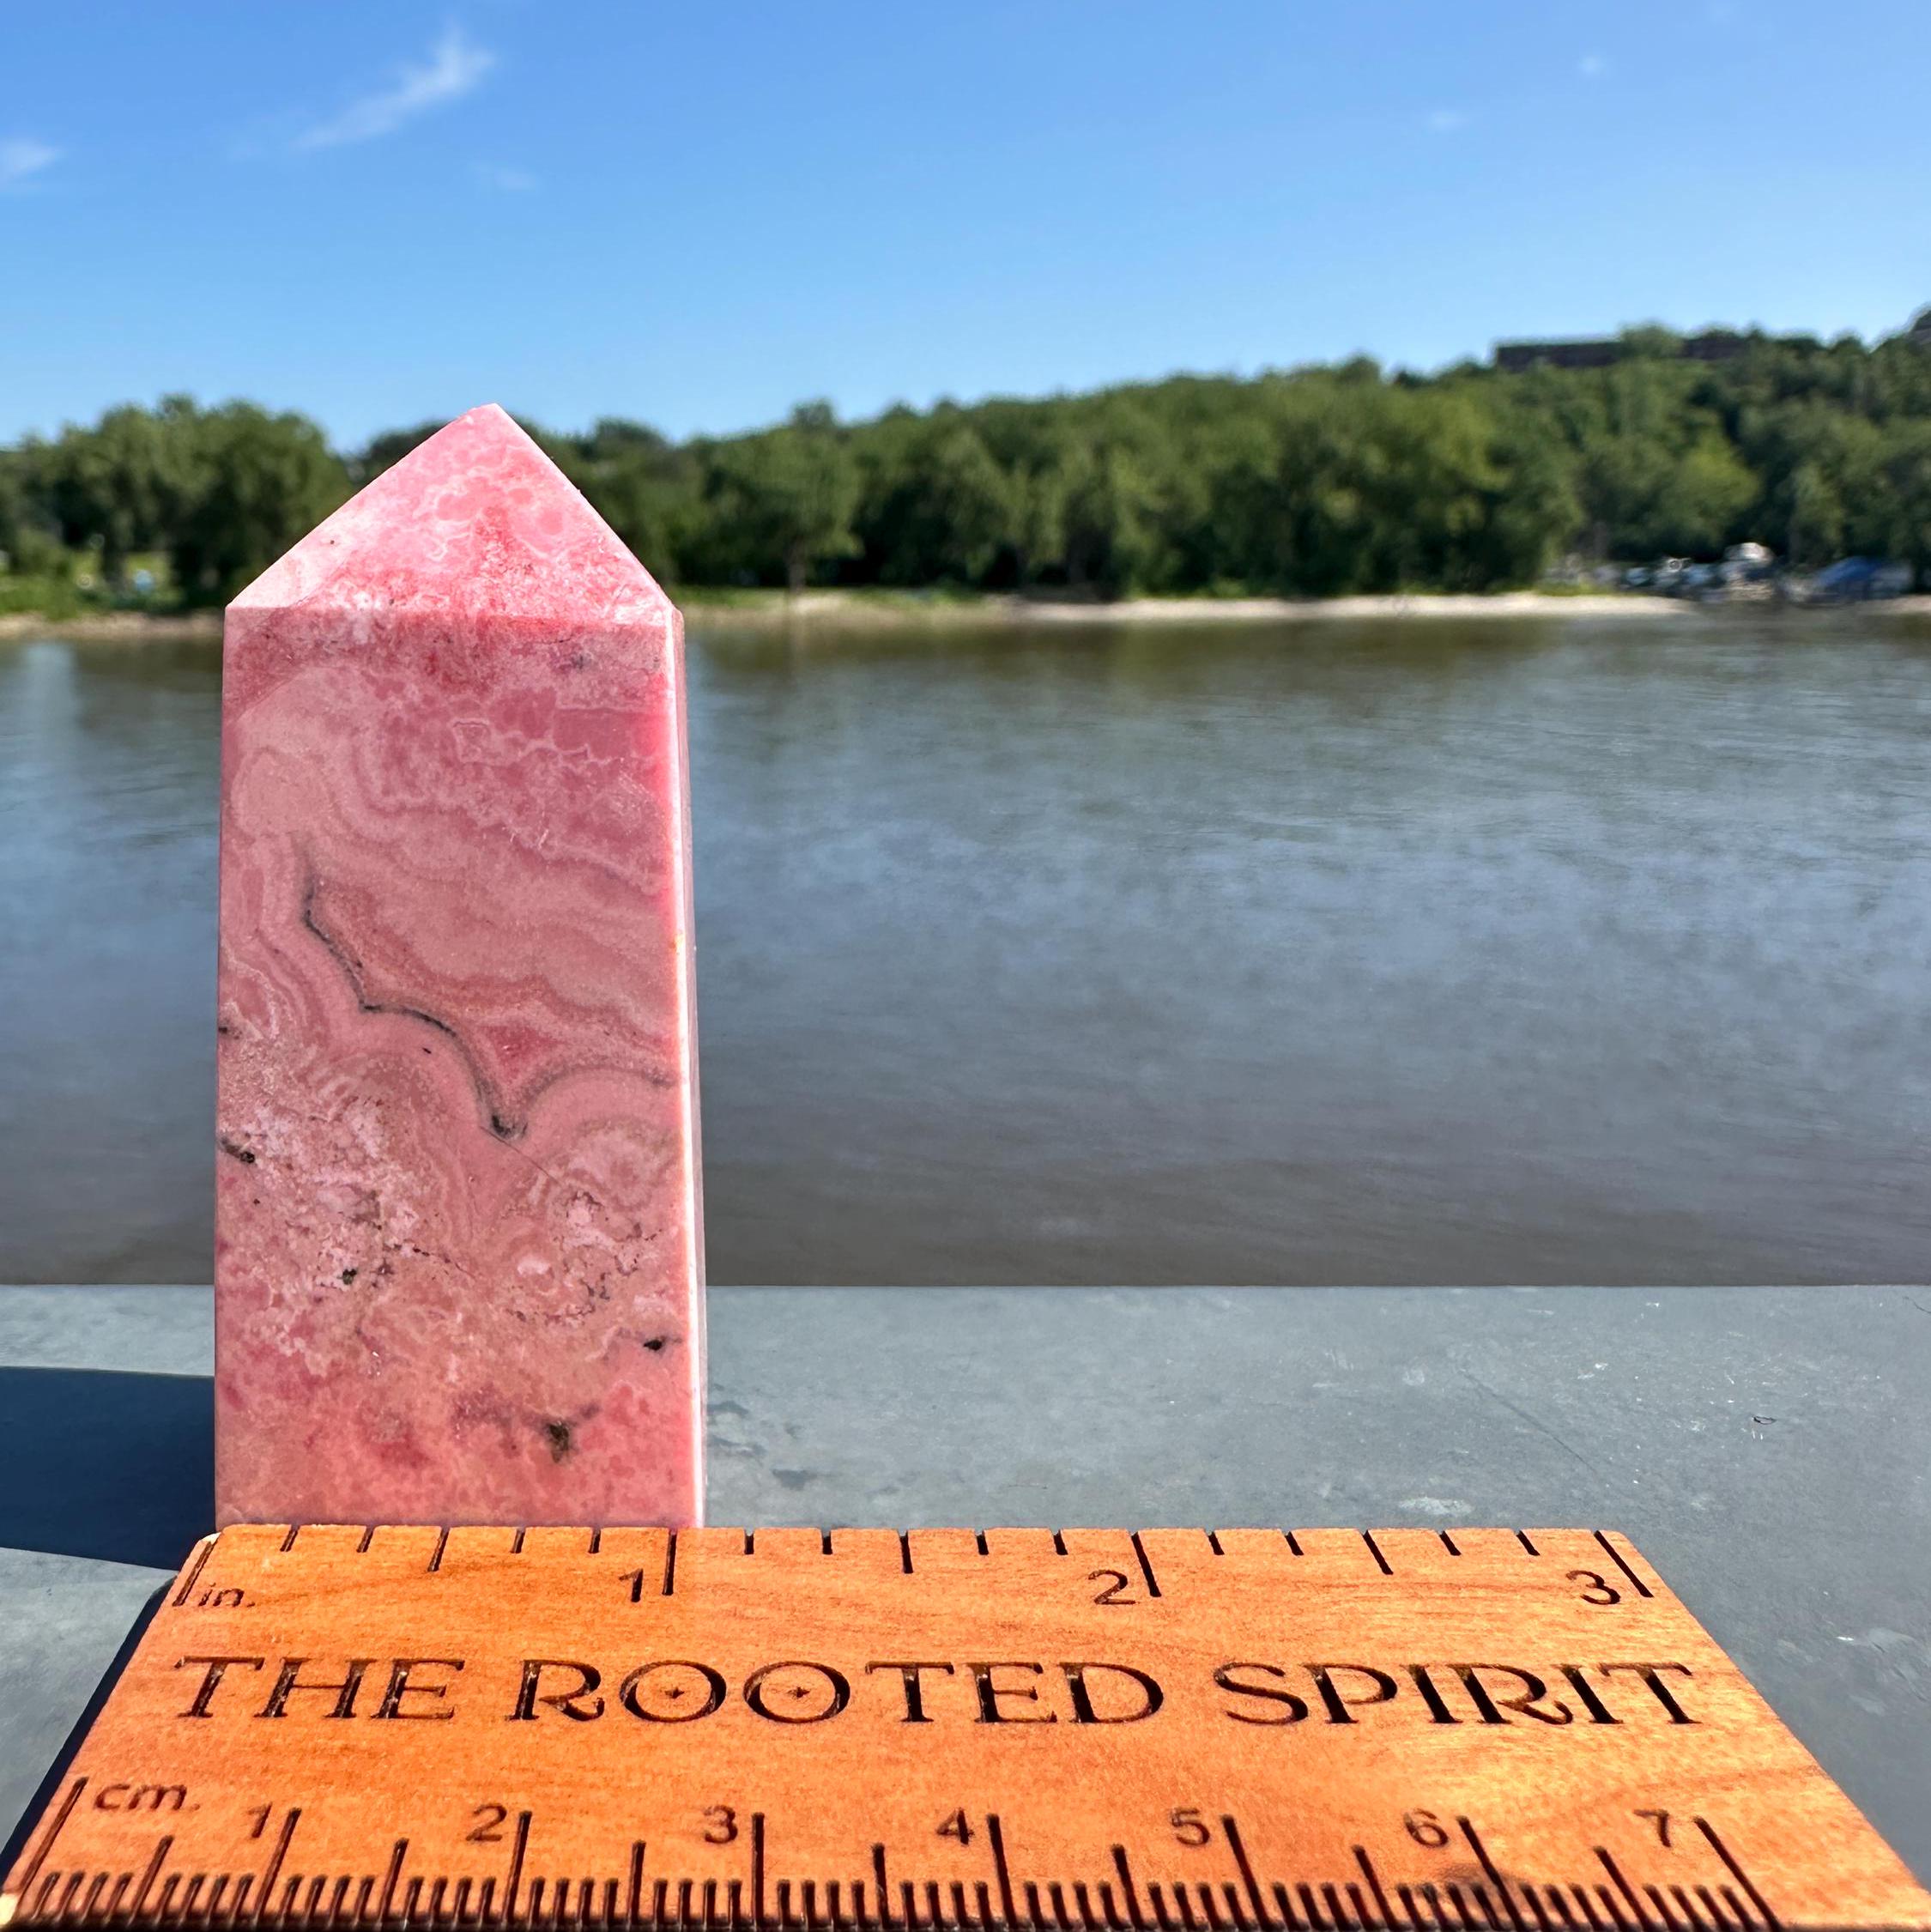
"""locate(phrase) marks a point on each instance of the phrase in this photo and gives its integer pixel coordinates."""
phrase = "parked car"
(1853, 579)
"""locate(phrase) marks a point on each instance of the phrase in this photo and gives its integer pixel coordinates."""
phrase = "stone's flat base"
(1765, 1448)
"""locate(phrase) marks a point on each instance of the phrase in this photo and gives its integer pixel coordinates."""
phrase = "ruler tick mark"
(996, 1834)
(1494, 1875)
(1374, 1550)
(1663, 1912)
(436, 1555)
(193, 1576)
(1230, 1832)
(1613, 1906)
(1522, 1537)
(1687, 1906)
(1145, 1568)
(1624, 1887)
(153, 1871)
(288, 1541)
(1616, 1557)
(276, 1858)
(1737, 1872)
(518, 1847)
(40, 1857)
(1385, 1915)
(398, 1852)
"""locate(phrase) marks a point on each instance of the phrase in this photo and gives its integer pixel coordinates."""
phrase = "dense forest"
(1310, 482)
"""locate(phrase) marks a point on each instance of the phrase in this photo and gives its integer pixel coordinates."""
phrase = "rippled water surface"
(1410, 951)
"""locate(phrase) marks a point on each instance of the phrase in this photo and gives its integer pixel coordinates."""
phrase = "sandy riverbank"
(113, 627)
(858, 609)
(855, 608)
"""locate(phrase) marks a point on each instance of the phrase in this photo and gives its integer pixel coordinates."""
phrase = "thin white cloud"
(1447, 120)
(1592, 67)
(455, 66)
(23, 160)
(509, 180)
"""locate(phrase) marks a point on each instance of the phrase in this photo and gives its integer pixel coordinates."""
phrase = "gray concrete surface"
(1769, 1451)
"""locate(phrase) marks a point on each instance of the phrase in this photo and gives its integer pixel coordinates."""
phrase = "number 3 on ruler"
(1595, 1590)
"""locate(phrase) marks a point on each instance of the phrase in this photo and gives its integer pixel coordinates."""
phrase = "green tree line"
(1308, 482)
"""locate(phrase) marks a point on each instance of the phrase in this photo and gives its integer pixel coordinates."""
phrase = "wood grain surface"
(1167, 1731)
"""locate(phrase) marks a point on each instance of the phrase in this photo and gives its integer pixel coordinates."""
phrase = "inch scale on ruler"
(861, 1731)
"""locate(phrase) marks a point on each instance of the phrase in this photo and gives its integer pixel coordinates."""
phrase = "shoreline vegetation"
(859, 609)
(1342, 488)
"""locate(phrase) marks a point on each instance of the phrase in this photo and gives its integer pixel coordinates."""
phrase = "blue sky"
(699, 215)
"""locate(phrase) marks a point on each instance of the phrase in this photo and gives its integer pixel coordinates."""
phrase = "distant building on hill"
(1573, 352)
(1598, 352)
(1715, 345)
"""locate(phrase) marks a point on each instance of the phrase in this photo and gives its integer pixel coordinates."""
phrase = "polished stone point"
(459, 1240)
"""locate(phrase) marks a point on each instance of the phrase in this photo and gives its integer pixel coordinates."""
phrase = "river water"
(1423, 951)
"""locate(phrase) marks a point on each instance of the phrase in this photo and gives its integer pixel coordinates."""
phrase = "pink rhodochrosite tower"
(459, 1249)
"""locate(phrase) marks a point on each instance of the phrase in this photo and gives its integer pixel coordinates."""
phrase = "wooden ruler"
(1172, 1731)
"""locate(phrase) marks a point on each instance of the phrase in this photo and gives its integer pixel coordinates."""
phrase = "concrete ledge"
(1769, 1450)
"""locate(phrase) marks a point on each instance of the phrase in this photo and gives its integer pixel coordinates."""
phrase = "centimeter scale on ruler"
(1158, 1731)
